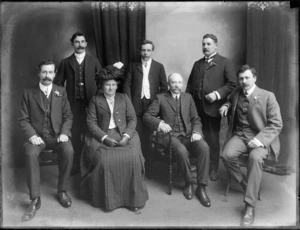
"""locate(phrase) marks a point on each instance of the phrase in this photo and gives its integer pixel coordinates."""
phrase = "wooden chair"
(48, 157)
(243, 163)
(161, 147)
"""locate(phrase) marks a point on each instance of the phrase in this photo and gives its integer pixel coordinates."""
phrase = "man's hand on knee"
(35, 140)
(62, 138)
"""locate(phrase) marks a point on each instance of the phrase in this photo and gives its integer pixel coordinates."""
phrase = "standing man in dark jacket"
(78, 72)
(144, 80)
(46, 120)
(212, 79)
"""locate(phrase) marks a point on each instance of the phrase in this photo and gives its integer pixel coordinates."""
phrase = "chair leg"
(227, 184)
(170, 172)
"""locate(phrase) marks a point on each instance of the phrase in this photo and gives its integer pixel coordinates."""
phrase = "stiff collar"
(250, 91)
(148, 62)
(80, 56)
(174, 95)
(44, 88)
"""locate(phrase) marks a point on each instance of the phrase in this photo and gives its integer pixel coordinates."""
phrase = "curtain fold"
(272, 49)
(119, 28)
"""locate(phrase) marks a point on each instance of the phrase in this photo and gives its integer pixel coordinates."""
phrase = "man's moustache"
(47, 79)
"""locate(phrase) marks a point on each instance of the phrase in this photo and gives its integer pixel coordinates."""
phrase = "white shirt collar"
(210, 55)
(110, 98)
(148, 62)
(80, 56)
(250, 91)
(174, 95)
(43, 87)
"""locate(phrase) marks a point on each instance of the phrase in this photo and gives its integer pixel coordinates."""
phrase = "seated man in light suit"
(254, 125)
(178, 114)
(46, 120)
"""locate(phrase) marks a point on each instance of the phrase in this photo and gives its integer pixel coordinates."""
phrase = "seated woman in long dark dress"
(112, 163)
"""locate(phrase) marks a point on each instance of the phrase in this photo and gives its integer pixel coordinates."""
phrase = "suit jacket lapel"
(55, 94)
(253, 97)
(87, 64)
(183, 105)
(118, 102)
(72, 60)
(37, 97)
(103, 103)
(139, 67)
(170, 100)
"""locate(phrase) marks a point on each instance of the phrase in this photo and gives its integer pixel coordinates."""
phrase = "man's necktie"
(246, 93)
(146, 64)
(46, 92)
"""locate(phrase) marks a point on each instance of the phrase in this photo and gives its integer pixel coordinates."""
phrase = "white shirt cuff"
(126, 135)
(104, 138)
(34, 136)
(218, 95)
(158, 129)
(258, 142)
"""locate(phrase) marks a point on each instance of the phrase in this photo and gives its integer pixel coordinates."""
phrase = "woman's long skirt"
(115, 177)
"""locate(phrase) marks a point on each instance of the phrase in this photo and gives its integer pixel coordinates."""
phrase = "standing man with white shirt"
(254, 126)
(211, 80)
(78, 72)
(46, 120)
(144, 80)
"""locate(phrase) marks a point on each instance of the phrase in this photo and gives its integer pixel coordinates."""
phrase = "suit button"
(117, 112)
(119, 120)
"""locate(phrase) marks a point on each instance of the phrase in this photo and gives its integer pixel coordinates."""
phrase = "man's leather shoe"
(202, 196)
(213, 175)
(64, 199)
(188, 191)
(135, 209)
(32, 208)
(248, 217)
(243, 183)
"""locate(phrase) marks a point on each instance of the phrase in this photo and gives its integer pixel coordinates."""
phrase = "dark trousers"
(143, 131)
(211, 130)
(64, 152)
(232, 150)
(182, 148)
(78, 130)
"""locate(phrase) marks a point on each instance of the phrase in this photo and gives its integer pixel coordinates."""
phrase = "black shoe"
(188, 191)
(202, 196)
(135, 209)
(243, 183)
(248, 218)
(31, 210)
(213, 175)
(64, 199)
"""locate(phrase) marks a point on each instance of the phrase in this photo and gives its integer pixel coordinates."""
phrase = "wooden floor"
(278, 208)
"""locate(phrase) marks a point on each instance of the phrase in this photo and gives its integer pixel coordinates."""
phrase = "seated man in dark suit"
(178, 114)
(254, 126)
(46, 119)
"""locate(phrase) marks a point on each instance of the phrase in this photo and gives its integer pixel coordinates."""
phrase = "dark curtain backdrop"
(119, 29)
(272, 49)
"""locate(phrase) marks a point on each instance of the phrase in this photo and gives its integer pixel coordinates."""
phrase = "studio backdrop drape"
(272, 49)
(119, 29)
